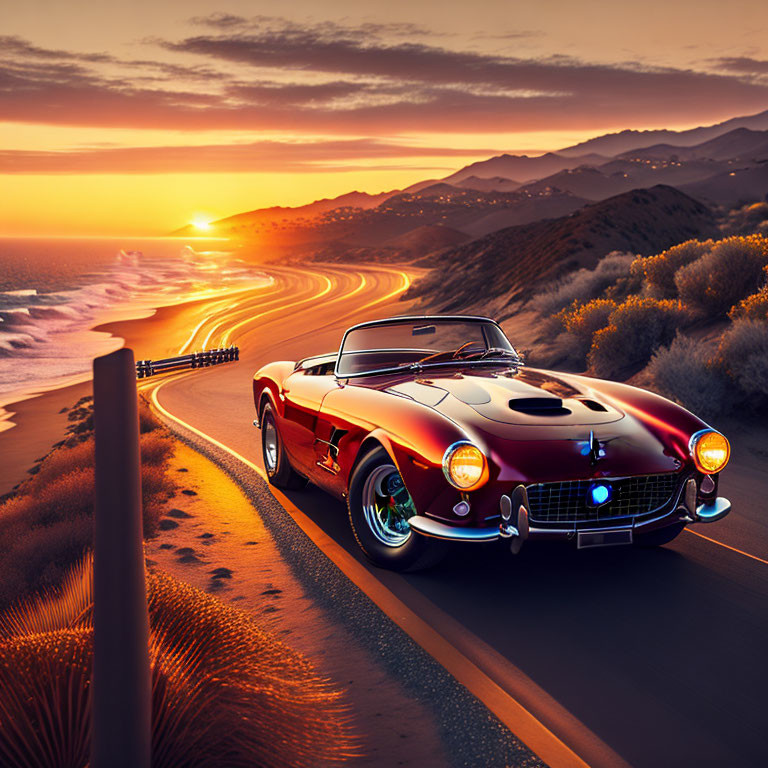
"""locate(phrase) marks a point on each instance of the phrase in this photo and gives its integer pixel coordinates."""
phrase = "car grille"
(566, 502)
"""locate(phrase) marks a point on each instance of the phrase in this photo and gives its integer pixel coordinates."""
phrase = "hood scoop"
(539, 406)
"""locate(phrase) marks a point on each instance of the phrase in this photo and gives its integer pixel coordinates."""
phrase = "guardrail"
(146, 368)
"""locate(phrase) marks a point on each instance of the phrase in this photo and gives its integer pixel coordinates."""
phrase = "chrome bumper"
(705, 513)
(437, 530)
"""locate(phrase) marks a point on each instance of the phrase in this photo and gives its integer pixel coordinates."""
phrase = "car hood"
(549, 417)
(523, 397)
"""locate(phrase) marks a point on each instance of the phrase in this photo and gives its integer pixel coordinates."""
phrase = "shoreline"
(36, 419)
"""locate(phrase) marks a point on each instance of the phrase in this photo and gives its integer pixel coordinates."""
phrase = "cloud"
(365, 31)
(742, 65)
(264, 156)
(265, 73)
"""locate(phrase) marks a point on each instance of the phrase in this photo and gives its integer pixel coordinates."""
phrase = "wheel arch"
(375, 439)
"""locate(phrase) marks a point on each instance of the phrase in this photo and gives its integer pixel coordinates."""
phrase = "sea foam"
(46, 339)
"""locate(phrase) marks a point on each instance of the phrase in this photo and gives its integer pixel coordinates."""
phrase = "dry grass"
(224, 691)
(47, 524)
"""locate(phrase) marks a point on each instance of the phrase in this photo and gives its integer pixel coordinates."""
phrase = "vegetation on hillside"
(694, 316)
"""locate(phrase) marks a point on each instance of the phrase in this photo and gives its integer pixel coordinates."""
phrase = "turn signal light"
(710, 451)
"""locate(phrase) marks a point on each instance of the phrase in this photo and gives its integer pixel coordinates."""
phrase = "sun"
(202, 224)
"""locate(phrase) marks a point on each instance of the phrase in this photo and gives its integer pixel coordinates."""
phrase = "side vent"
(539, 406)
(593, 405)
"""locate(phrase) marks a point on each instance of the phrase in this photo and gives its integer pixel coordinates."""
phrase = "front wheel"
(280, 473)
(379, 507)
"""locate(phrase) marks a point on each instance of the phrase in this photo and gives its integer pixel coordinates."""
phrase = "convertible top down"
(432, 428)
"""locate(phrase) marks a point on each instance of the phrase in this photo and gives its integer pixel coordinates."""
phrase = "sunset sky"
(137, 117)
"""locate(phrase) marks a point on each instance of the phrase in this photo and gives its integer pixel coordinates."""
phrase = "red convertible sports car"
(432, 428)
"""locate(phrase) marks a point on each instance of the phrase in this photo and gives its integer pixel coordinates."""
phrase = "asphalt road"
(660, 655)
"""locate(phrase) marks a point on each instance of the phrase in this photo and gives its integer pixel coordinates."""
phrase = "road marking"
(508, 710)
(226, 302)
(228, 335)
(727, 546)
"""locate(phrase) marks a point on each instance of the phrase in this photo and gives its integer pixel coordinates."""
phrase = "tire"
(659, 537)
(389, 544)
(280, 473)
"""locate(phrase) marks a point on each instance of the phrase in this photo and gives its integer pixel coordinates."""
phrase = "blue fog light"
(599, 494)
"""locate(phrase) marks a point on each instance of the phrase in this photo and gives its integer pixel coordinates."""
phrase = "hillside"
(740, 143)
(523, 168)
(725, 165)
(616, 143)
(281, 214)
(506, 264)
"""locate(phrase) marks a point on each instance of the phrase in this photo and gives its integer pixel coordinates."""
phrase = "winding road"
(604, 657)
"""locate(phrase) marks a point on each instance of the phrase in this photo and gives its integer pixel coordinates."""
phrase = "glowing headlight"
(465, 466)
(710, 451)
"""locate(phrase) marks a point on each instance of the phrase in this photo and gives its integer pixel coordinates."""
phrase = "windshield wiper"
(493, 351)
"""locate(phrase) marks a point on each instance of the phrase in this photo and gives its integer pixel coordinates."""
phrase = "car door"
(302, 396)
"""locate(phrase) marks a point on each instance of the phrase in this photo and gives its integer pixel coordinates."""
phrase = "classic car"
(433, 429)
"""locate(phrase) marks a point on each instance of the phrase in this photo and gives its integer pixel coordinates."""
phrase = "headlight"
(710, 451)
(465, 466)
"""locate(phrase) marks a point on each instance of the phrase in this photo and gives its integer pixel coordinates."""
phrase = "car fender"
(268, 381)
(416, 437)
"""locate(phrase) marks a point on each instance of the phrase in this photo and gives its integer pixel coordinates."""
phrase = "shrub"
(743, 355)
(584, 284)
(659, 271)
(581, 323)
(636, 328)
(731, 270)
(684, 372)
(754, 307)
(584, 321)
(222, 687)
(747, 219)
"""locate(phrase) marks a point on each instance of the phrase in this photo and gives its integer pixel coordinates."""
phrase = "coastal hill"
(499, 224)
(515, 189)
(508, 263)
(615, 143)
(523, 168)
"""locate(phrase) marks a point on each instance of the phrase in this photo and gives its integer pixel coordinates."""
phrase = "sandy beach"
(38, 419)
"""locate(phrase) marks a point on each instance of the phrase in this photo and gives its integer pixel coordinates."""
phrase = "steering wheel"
(455, 355)
(458, 353)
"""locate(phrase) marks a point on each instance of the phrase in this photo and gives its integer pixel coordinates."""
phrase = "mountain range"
(515, 219)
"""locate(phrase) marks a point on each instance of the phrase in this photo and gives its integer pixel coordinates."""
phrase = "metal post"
(121, 698)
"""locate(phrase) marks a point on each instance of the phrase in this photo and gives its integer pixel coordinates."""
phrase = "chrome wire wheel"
(270, 446)
(387, 505)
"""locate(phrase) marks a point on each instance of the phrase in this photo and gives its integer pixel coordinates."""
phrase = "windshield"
(421, 342)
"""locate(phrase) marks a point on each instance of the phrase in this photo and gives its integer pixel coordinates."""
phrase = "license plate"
(586, 539)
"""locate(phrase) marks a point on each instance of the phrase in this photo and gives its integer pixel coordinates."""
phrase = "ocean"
(54, 291)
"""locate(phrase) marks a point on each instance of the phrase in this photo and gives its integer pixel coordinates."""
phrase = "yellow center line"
(505, 707)
(406, 284)
(238, 310)
(228, 335)
(727, 546)
(225, 302)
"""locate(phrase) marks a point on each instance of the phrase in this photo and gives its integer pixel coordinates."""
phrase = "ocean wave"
(45, 336)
